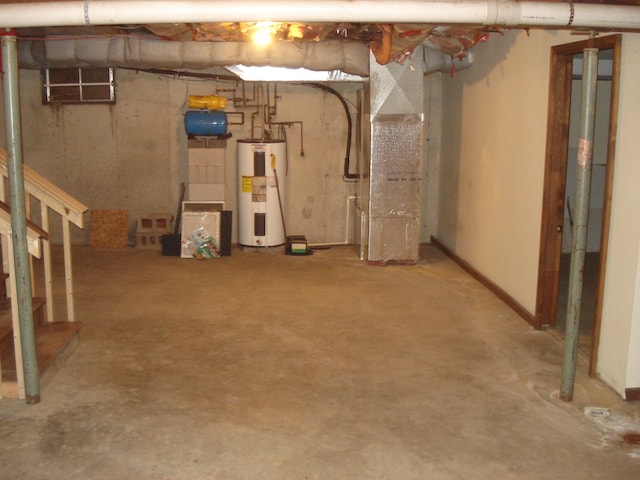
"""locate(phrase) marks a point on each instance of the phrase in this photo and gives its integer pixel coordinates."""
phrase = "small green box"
(297, 245)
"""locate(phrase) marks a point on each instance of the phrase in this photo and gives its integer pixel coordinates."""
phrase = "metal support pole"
(18, 215)
(581, 217)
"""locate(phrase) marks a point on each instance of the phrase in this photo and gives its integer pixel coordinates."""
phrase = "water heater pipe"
(506, 13)
(347, 156)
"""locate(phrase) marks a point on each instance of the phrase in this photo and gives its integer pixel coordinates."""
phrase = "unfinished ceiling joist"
(505, 13)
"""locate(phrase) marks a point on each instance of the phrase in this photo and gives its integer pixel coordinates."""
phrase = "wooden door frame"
(553, 202)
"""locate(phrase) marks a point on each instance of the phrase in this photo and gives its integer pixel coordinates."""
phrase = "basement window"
(78, 85)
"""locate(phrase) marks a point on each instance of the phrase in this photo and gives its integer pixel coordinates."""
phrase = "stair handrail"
(47, 193)
(71, 211)
(35, 234)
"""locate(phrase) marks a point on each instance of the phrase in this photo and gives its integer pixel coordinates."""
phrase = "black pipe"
(178, 74)
(320, 86)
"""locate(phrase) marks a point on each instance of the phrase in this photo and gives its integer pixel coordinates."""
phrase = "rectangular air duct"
(394, 182)
(391, 190)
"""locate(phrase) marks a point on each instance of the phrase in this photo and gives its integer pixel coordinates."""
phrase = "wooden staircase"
(54, 342)
(54, 339)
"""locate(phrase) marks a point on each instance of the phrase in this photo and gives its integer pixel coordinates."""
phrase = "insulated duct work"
(332, 55)
(390, 207)
(348, 57)
(436, 61)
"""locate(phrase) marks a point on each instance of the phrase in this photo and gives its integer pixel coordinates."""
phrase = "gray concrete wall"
(133, 155)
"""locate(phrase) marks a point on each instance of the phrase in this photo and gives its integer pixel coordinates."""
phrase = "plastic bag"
(201, 245)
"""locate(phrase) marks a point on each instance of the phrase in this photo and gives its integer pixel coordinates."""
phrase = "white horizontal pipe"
(472, 12)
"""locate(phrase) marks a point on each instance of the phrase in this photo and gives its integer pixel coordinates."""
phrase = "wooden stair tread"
(6, 321)
(51, 340)
(5, 311)
(54, 343)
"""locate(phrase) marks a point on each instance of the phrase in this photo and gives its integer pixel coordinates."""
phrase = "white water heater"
(261, 192)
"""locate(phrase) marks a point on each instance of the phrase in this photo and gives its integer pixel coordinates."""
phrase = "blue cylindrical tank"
(205, 123)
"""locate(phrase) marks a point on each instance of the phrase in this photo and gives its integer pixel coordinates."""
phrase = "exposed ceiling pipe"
(506, 13)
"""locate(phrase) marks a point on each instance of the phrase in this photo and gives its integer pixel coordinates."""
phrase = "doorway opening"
(559, 188)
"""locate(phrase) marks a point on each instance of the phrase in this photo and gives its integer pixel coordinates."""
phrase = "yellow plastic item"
(210, 102)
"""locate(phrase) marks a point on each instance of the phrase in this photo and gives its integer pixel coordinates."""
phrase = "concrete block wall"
(135, 154)
(206, 172)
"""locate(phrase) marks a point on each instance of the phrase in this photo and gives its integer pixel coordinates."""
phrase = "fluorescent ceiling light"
(281, 74)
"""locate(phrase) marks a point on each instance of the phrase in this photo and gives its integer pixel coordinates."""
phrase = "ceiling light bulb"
(262, 34)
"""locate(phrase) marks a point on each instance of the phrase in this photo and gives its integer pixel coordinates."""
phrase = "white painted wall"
(619, 350)
(492, 166)
(133, 155)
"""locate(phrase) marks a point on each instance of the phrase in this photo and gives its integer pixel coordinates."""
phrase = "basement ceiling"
(388, 43)
(198, 46)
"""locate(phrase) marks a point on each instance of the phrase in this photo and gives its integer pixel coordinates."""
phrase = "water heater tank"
(261, 192)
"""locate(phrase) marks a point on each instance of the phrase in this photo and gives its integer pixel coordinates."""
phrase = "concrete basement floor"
(266, 366)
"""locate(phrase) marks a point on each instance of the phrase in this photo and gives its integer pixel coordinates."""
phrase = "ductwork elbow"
(437, 61)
